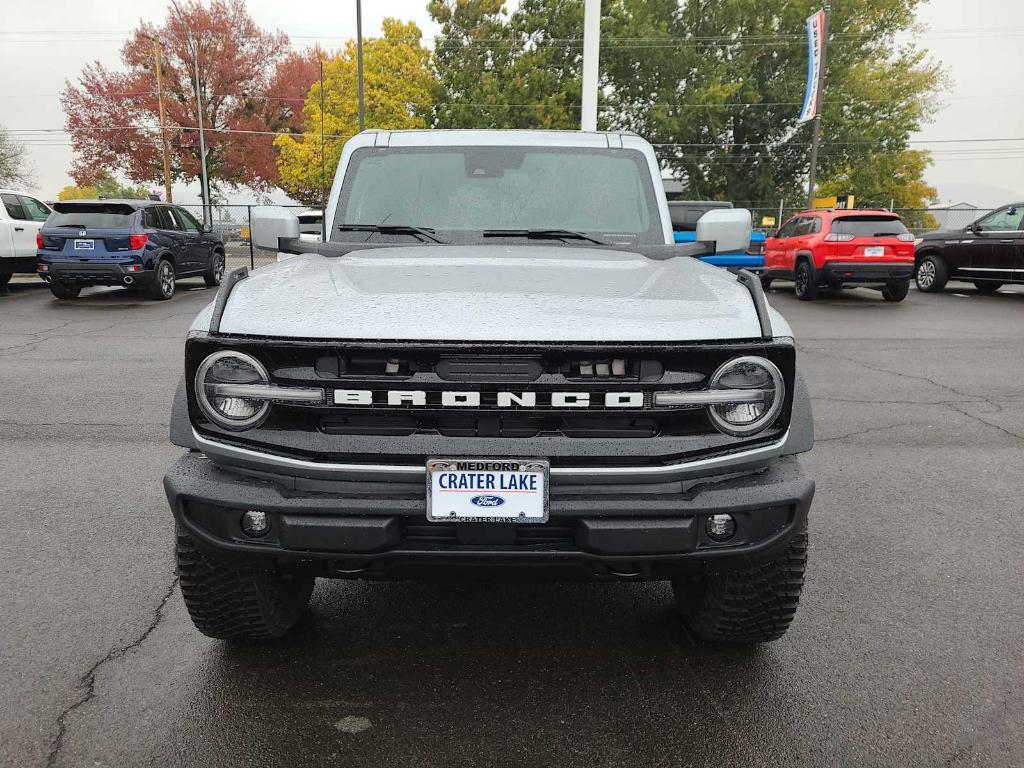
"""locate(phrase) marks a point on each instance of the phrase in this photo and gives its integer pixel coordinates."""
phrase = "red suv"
(839, 249)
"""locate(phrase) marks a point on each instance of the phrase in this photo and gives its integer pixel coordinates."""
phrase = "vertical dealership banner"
(815, 25)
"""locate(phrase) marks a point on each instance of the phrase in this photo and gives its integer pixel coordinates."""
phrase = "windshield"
(94, 215)
(869, 226)
(462, 191)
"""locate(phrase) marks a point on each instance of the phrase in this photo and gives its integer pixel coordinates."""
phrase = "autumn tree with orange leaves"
(251, 85)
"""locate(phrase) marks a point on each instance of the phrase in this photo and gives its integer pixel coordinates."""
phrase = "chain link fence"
(917, 220)
(233, 223)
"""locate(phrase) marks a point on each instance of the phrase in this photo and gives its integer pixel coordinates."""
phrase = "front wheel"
(896, 291)
(162, 287)
(232, 603)
(805, 284)
(752, 605)
(986, 287)
(216, 270)
(61, 291)
(932, 274)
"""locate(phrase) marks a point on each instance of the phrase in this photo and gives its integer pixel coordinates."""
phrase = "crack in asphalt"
(900, 374)
(863, 432)
(87, 682)
(951, 404)
(975, 417)
(40, 337)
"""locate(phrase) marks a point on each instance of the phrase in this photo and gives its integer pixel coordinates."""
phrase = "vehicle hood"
(943, 234)
(492, 293)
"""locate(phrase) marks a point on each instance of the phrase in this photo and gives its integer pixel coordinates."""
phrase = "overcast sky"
(979, 44)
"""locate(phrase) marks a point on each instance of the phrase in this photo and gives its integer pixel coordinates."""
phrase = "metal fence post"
(252, 255)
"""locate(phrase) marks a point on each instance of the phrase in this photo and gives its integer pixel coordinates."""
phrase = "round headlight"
(767, 392)
(229, 411)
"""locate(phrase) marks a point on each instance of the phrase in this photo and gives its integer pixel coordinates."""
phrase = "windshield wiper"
(543, 234)
(392, 229)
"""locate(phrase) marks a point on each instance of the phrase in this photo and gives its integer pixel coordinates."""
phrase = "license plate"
(487, 490)
(874, 250)
(85, 245)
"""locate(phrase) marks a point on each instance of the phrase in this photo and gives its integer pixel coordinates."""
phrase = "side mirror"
(269, 224)
(728, 228)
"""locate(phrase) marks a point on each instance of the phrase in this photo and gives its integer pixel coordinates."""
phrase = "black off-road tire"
(987, 287)
(896, 291)
(931, 274)
(753, 605)
(163, 286)
(216, 271)
(61, 291)
(232, 603)
(805, 283)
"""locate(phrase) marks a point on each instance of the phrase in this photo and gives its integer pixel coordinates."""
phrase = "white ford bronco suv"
(495, 362)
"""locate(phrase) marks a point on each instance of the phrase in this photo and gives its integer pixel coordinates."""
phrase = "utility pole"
(323, 157)
(207, 217)
(816, 127)
(163, 124)
(204, 181)
(591, 50)
(359, 62)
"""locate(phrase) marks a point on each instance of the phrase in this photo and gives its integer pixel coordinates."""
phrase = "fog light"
(721, 527)
(255, 523)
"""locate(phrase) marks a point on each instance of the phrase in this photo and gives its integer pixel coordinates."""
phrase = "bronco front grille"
(366, 372)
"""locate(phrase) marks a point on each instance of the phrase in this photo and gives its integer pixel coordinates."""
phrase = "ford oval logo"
(487, 501)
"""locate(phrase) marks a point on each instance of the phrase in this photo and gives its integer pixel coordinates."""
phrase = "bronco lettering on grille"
(450, 399)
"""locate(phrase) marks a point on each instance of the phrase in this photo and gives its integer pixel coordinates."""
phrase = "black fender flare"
(809, 258)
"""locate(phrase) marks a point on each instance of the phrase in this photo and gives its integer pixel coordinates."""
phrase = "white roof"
(951, 206)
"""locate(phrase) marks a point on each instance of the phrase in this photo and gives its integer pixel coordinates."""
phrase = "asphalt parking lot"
(907, 650)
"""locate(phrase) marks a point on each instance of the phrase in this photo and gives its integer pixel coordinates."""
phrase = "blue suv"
(135, 243)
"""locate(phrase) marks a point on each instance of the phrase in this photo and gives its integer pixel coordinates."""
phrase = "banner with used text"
(815, 25)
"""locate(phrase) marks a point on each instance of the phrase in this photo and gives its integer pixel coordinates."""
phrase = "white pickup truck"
(21, 217)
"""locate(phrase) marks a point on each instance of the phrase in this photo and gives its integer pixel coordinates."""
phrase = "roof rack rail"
(230, 280)
(753, 284)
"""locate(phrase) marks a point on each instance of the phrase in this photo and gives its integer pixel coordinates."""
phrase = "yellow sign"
(244, 233)
(767, 221)
(842, 202)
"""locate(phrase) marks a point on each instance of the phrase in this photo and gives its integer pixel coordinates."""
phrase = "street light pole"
(359, 62)
(591, 49)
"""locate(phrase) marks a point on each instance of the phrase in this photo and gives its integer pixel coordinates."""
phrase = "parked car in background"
(21, 216)
(686, 213)
(988, 253)
(839, 248)
(139, 244)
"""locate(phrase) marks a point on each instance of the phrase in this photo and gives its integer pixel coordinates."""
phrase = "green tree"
(398, 83)
(716, 85)
(497, 70)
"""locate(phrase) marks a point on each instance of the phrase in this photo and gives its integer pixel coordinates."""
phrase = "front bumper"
(865, 271)
(85, 273)
(372, 529)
